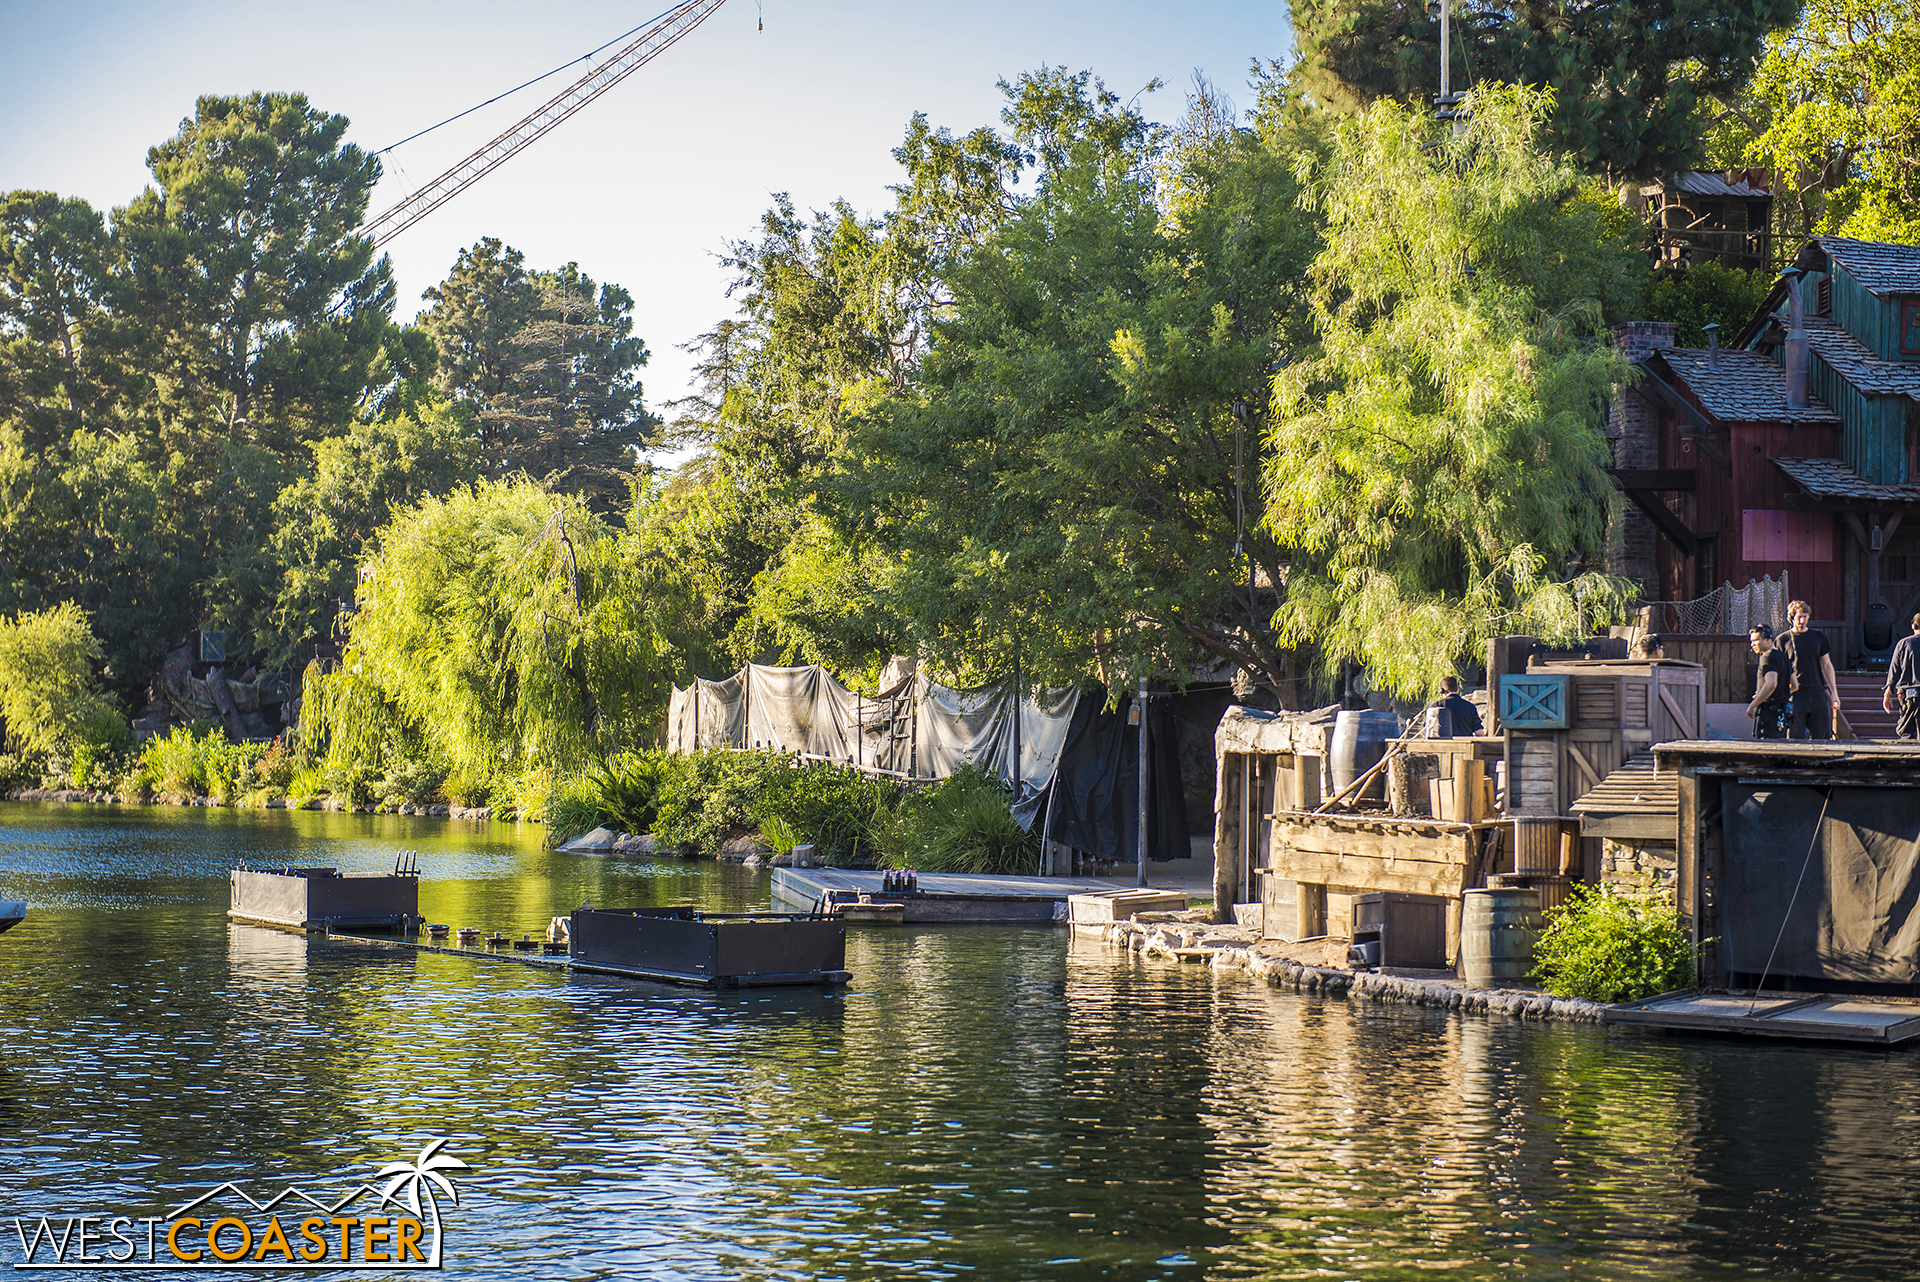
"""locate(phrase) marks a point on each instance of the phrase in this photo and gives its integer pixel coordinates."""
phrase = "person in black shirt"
(1903, 684)
(1769, 706)
(1815, 692)
(1465, 717)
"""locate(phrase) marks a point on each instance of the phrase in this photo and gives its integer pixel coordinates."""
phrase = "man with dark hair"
(1815, 691)
(1466, 719)
(1769, 706)
(1648, 646)
(1902, 694)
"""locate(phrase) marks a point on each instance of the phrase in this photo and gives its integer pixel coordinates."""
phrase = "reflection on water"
(999, 1103)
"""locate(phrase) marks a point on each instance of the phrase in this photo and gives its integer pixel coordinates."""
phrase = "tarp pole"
(1140, 869)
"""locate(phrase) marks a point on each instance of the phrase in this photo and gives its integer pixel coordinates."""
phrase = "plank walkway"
(957, 898)
(1800, 1017)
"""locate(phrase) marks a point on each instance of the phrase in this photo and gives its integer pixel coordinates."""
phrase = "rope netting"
(1727, 609)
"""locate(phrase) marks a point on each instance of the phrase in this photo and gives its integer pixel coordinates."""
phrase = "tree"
(548, 364)
(55, 264)
(1435, 471)
(48, 689)
(1061, 488)
(1627, 78)
(1834, 109)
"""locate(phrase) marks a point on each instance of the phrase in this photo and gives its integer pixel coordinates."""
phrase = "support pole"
(1140, 870)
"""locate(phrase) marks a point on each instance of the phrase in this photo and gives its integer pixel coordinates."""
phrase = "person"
(1902, 694)
(1466, 719)
(1815, 694)
(1648, 646)
(1768, 707)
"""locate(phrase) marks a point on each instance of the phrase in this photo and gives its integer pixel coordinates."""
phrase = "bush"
(710, 796)
(410, 782)
(964, 823)
(829, 805)
(627, 788)
(1609, 946)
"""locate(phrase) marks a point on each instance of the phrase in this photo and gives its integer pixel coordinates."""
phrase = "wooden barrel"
(1536, 846)
(1498, 927)
(1359, 741)
(1553, 891)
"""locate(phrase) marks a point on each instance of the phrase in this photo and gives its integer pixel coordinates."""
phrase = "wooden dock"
(952, 898)
(1798, 1016)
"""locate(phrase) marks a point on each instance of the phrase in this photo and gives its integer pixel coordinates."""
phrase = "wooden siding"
(1718, 503)
(1873, 320)
(1874, 443)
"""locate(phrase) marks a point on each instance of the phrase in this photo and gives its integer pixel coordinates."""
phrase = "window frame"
(1910, 326)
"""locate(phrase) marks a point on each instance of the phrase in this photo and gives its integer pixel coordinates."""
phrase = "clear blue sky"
(644, 187)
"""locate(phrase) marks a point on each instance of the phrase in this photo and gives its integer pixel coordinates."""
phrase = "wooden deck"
(1803, 1018)
(954, 898)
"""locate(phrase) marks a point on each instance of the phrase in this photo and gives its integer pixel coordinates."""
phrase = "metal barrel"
(1498, 928)
(1359, 741)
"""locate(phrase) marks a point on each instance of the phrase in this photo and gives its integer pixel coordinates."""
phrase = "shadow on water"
(1005, 1103)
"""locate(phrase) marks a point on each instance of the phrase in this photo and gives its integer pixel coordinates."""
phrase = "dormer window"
(1910, 327)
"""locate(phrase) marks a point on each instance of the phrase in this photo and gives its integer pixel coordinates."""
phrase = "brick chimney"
(1633, 429)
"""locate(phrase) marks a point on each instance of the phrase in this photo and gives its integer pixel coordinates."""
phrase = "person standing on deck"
(1816, 693)
(1903, 684)
(1465, 717)
(1769, 706)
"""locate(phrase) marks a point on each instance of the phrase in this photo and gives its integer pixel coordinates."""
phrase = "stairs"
(1860, 700)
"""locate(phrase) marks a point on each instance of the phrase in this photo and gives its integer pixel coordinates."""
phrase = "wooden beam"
(1664, 520)
(1655, 478)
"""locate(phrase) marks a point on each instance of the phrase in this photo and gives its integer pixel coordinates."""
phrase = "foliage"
(1705, 294)
(628, 785)
(549, 367)
(572, 808)
(48, 690)
(1610, 946)
(779, 835)
(1834, 109)
(1626, 80)
(1435, 470)
(829, 805)
(501, 628)
(710, 795)
(961, 824)
(184, 765)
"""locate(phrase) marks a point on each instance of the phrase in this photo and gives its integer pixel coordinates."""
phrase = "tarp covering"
(1095, 800)
(916, 726)
(1852, 917)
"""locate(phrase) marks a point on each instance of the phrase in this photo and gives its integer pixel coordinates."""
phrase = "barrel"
(1497, 930)
(1536, 845)
(1554, 891)
(1359, 741)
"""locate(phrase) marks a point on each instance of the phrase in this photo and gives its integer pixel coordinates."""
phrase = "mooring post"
(1140, 870)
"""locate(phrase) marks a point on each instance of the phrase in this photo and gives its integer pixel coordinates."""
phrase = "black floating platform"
(679, 946)
(957, 898)
(1797, 1016)
(323, 899)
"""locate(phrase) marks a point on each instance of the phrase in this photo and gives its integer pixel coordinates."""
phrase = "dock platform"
(950, 898)
(1802, 1017)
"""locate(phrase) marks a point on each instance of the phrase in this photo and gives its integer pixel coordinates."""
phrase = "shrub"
(627, 788)
(410, 782)
(962, 824)
(1609, 946)
(307, 783)
(779, 835)
(829, 805)
(175, 766)
(572, 809)
(710, 796)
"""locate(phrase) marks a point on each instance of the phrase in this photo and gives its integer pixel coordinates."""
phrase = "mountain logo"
(293, 1229)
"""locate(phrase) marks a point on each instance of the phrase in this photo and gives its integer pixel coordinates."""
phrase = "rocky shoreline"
(1190, 937)
(82, 796)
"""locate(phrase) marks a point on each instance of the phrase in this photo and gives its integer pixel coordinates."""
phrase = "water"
(979, 1103)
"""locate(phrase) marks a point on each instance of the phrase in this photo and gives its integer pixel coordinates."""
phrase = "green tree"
(48, 689)
(1834, 109)
(1628, 79)
(549, 366)
(1435, 471)
(56, 260)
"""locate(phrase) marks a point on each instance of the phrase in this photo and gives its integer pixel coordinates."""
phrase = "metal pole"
(1019, 784)
(1446, 80)
(1140, 870)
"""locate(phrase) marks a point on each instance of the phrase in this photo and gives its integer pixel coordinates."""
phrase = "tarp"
(916, 726)
(1840, 907)
(1095, 800)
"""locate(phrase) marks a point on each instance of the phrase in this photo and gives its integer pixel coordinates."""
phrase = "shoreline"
(1177, 938)
(88, 797)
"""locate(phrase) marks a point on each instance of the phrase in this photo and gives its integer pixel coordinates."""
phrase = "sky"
(648, 184)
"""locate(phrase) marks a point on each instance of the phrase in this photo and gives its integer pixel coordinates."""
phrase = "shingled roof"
(1831, 478)
(1880, 268)
(1852, 361)
(1740, 387)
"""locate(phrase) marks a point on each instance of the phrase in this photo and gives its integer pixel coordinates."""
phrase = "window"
(1910, 327)
(1706, 564)
(1823, 297)
(1894, 569)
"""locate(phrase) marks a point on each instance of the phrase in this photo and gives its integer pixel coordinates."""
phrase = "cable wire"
(536, 80)
(1787, 916)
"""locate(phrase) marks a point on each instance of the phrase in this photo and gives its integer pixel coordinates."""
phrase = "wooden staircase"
(1860, 700)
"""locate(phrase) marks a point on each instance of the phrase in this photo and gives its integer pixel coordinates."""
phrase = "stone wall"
(1633, 427)
(1631, 863)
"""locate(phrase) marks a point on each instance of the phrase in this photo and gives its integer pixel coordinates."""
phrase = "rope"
(1792, 900)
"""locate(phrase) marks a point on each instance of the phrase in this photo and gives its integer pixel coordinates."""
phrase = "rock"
(470, 812)
(439, 811)
(598, 841)
(629, 844)
(740, 847)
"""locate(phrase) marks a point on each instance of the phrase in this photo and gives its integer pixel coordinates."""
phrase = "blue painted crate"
(1534, 702)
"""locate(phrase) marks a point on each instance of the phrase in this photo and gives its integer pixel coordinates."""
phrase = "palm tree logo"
(423, 1174)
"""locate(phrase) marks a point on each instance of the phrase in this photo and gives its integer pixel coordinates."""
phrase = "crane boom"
(664, 32)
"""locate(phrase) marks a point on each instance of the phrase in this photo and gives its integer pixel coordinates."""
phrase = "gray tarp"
(1853, 917)
(938, 727)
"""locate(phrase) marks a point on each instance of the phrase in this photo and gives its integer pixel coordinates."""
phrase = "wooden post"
(1312, 917)
(1140, 868)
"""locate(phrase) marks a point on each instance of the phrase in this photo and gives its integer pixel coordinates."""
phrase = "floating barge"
(1788, 1015)
(710, 950)
(324, 899)
(947, 898)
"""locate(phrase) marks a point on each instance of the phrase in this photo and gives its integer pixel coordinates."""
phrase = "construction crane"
(662, 34)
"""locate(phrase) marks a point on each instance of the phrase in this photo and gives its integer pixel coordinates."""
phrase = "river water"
(979, 1102)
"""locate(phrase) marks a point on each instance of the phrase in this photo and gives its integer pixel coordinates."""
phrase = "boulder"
(628, 843)
(598, 841)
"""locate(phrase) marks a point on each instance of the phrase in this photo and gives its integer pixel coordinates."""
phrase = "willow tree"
(1435, 470)
(500, 630)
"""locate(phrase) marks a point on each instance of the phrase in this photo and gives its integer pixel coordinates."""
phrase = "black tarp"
(1852, 918)
(1094, 794)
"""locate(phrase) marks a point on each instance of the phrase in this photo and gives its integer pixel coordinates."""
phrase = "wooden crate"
(1615, 708)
